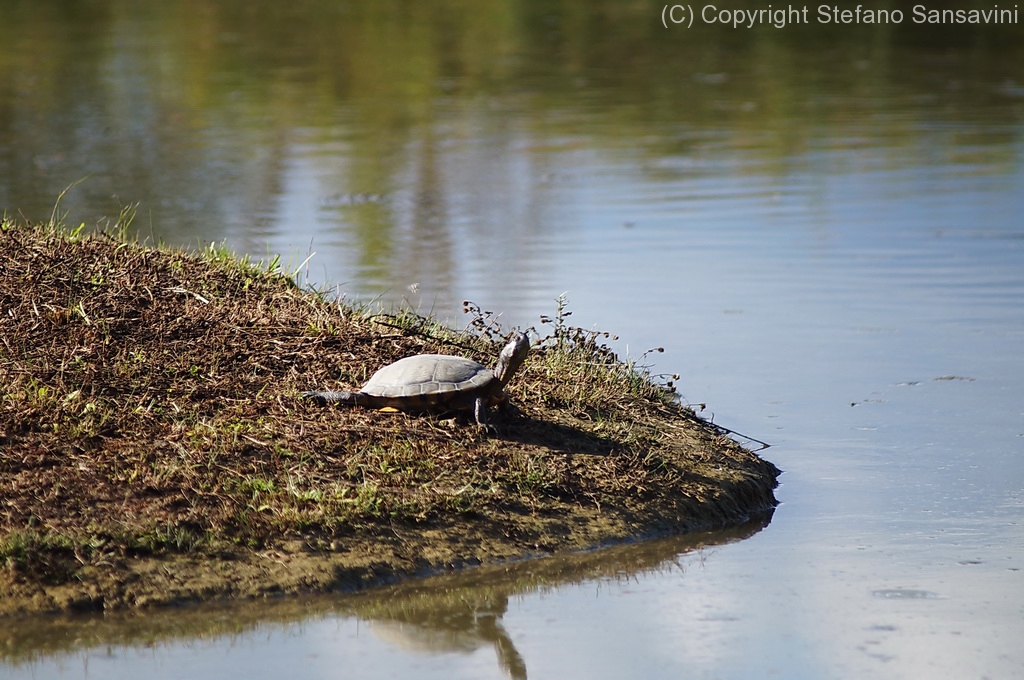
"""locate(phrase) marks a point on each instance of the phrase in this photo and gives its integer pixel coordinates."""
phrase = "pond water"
(823, 227)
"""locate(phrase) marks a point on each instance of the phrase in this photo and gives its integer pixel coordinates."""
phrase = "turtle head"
(512, 357)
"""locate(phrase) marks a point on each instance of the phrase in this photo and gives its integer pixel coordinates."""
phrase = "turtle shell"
(432, 379)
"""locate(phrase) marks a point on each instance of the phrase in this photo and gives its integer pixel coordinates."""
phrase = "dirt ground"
(155, 449)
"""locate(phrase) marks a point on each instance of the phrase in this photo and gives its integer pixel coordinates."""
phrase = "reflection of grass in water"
(422, 600)
(446, 604)
(387, 77)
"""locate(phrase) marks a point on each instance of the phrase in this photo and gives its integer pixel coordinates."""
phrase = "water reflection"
(455, 613)
(484, 140)
(462, 625)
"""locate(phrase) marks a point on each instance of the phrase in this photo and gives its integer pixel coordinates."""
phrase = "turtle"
(439, 384)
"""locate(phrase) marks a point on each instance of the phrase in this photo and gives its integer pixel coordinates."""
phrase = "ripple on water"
(905, 594)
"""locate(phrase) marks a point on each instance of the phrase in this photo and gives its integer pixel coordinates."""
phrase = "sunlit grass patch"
(150, 406)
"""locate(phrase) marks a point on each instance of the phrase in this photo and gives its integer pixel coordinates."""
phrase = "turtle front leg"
(480, 415)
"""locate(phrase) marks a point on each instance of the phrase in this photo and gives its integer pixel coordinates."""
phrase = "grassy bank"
(155, 449)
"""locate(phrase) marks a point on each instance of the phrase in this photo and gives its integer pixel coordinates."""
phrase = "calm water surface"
(823, 228)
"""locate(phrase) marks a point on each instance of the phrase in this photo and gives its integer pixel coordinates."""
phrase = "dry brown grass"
(149, 407)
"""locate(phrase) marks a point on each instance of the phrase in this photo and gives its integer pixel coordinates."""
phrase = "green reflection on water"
(194, 108)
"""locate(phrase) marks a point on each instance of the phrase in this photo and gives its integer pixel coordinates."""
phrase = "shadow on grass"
(555, 436)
